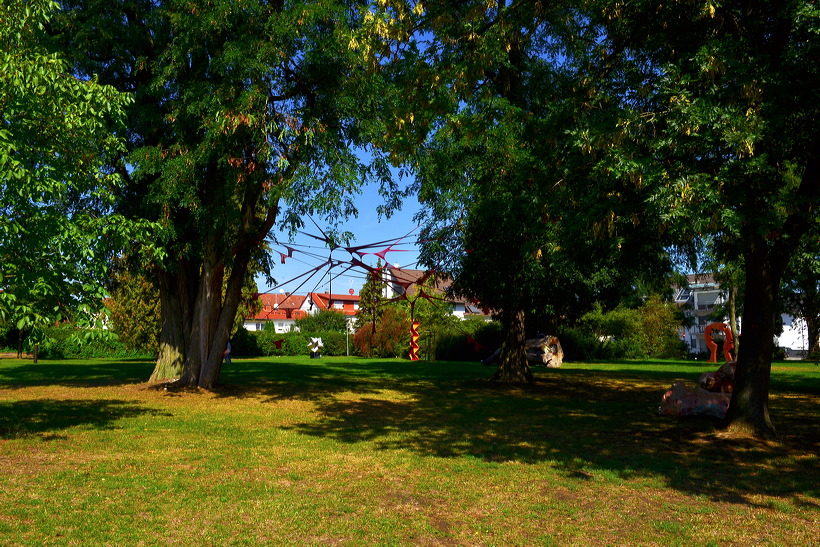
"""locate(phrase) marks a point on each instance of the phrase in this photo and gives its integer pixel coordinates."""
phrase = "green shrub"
(334, 342)
(286, 343)
(294, 343)
(454, 345)
(70, 342)
(579, 344)
(659, 324)
(391, 337)
(245, 343)
(625, 333)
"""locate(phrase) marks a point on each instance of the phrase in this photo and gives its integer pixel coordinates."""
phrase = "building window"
(338, 305)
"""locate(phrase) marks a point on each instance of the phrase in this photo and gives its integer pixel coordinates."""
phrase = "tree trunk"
(733, 318)
(513, 366)
(813, 338)
(222, 316)
(749, 408)
(207, 306)
(173, 295)
(765, 258)
(198, 316)
(196, 322)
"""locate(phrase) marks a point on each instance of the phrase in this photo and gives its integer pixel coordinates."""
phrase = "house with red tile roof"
(347, 304)
(405, 281)
(281, 309)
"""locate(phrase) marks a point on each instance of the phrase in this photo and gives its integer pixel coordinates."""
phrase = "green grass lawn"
(347, 451)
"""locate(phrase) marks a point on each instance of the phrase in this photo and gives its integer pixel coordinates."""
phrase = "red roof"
(409, 280)
(326, 301)
(278, 306)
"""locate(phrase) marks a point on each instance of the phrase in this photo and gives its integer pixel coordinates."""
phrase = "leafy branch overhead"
(57, 138)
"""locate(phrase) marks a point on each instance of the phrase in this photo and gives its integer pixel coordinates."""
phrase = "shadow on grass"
(77, 373)
(46, 418)
(584, 422)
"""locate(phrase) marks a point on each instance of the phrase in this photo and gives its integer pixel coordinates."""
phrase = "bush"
(70, 342)
(245, 343)
(658, 336)
(335, 343)
(277, 344)
(625, 333)
(391, 337)
(455, 346)
(293, 343)
(579, 344)
(296, 342)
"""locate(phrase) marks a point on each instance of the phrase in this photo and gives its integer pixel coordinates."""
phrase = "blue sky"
(308, 253)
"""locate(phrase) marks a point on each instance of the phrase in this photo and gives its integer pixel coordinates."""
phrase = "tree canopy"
(550, 126)
(57, 137)
(519, 209)
(244, 116)
(729, 120)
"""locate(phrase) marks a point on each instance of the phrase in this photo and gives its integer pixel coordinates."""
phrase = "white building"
(281, 309)
(284, 309)
(703, 296)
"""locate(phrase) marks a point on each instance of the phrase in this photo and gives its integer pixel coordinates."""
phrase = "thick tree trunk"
(206, 307)
(749, 408)
(813, 337)
(196, 322)
(176, 303)
(513, 366)
(224, 320)
(765, 258)
(197, 307)
(174, 297)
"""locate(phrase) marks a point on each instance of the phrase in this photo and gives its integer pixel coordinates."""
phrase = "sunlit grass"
(362, 452)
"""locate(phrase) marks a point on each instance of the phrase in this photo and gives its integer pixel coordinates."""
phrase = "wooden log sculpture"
(545, 350)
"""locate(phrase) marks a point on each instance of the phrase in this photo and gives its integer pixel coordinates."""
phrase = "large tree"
(244, 115)
(56, 135)
(724, 97)
(503, 134)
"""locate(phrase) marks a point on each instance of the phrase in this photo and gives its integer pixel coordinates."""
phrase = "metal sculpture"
(414, 340)
(728, 343)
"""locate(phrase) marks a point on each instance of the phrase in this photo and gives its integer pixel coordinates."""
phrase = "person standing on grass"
(227, 354)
